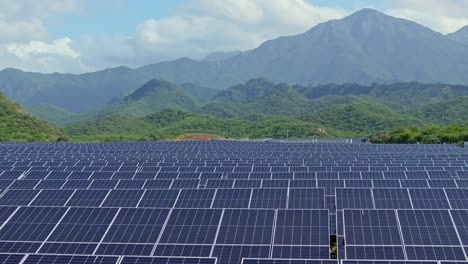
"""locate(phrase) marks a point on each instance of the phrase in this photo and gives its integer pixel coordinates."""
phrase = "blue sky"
(86, 35)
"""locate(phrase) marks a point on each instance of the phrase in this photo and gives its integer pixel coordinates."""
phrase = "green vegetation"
(262, 109)
(434, 135)
(168, 124)
(16, 125)
(362, 118)
(51, 113)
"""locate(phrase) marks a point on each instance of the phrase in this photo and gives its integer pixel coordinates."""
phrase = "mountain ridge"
(364, 47)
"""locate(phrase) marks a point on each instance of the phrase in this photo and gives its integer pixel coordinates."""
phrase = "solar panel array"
(233, 202)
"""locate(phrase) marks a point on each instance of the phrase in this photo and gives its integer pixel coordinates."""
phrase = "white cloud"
(445, 16)
(59, 47)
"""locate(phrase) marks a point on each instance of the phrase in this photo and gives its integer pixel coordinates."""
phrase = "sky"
(76, 36)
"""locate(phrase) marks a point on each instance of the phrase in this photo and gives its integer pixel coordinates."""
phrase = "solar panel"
(60, 259)
(191, 226)
(136, 226)
(354, 198)
(235, 254)
(306, 199)
(391, 199)
(158, 198)
(52, 198)
(87, 198)
(83, 225)
(429, 199)
(247, 227)
(287, 261)
(18, 197)
(302, 233)
(195, 198)
(232, 198)
(269, 198)
(167, 260)
(429, 234)
(123, 198)
(31, 223)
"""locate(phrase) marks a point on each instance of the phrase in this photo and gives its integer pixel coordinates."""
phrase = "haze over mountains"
(363, 48)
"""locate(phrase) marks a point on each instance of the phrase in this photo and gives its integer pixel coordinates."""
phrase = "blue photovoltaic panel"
(458, 198)
(232, 198)
(157, 184)
(103, 184)
(83, 225)
(31, 223)
(200, 198)
(374, 252)
(159, 198)
(191, 226)
(123, 198)
(246, 227)
(235, 254)
(287, 261)
(427, 227)
(183, 250)
(124, 249)
(429, 199)
(76, 184)
(5, 213)
(391, 199)
(68, 248)
(387, 262)
(371, 227)
(434, 253)
(302, 227)
(306, 199)
(353, 199)
(130, 184)
(23, 184)
(136, 226)
(305, 252)
(11, 258)
(167, 260)
(52, 198)
(269, 198)
(18, 197)
(460, 218)
(87, 198)
(61, 259)
(50, 184)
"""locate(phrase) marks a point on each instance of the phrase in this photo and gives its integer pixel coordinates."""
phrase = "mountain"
(76, 93)
(365, 47)
(218, 56)
(451, 112)
(362, 118)
(16, 125)
(169, 123)
(200, 94)
(460, 35)
(153, 96)
(50, 113)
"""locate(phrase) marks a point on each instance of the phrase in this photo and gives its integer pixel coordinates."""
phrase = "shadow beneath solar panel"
(333, 247)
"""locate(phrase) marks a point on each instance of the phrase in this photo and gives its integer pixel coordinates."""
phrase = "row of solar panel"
(164, 232)
(306, 198)
(361, 175)
(406, 234)
(226, 184)
(64, 259)
(244, 172)
(70, 259)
